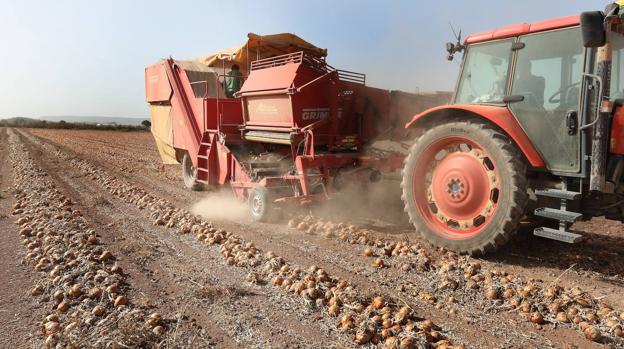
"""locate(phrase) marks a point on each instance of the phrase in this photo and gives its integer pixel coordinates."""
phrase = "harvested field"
(83, 211)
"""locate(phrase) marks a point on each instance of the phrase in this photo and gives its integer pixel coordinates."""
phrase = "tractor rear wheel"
(189, 173)
(464, 186)
(260, 206)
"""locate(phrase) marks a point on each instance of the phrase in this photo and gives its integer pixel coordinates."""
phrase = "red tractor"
(536, 128)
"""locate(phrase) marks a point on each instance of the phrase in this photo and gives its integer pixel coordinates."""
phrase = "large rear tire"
(189, 174)
(464, 186)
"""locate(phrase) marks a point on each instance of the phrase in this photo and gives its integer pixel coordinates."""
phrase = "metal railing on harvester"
(315, 63)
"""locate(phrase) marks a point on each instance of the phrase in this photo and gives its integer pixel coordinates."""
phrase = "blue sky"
(87, 57)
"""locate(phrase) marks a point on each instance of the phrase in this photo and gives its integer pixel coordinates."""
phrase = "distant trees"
(62, 124)
(146, 123)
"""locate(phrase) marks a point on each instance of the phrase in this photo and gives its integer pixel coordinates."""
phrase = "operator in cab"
(233, 81)
(529, 85)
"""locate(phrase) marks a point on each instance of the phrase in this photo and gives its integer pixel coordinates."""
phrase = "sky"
(87, 58)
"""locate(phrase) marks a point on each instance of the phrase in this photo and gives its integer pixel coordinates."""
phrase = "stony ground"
(103, 247)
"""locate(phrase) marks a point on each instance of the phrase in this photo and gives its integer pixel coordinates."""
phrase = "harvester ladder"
(206, 158)
(562, 214)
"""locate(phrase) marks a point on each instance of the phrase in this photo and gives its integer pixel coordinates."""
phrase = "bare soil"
(230, 294)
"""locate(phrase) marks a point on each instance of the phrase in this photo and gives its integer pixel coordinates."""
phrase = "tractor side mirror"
(450, 48)
(592, 26)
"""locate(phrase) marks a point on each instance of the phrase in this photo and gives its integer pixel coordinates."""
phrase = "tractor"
(535, 130)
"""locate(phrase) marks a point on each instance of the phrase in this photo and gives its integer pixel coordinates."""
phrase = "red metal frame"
(499, 115)
(524, 28)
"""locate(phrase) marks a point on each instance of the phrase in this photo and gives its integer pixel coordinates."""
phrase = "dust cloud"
(373, 203)
(221, 205)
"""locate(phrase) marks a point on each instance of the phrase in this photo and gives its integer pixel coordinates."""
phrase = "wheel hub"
(460, 188)
(456, 189)
(256, 204)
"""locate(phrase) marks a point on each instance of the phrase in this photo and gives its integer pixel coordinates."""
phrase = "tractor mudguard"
(501, 116)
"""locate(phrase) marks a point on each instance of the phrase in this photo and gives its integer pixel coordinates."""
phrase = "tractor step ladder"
(203, 158)
(559, 194)
(560, 214)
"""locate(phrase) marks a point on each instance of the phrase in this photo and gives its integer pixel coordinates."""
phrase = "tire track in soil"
(186, 273)
(305, 250)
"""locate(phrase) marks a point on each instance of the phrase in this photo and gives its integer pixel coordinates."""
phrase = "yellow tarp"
(259, 47)
(162, 131)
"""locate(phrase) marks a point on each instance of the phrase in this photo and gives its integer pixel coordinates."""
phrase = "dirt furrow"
(81, 284)
(185, 279)
(368, 328)
(485, 320)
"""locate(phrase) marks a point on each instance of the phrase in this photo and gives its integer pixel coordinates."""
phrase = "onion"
(159, 330)
(98, 310)
(536, 318)
(36, 291)
(58, 296)
(378, 263)
(378, 302)
(387, 323)
(277, 281)
(426, 325)
(407, 343)
(390, 342)
(120, 300)
(116, 269)
(508, 293)
(51, 328)
(363, 335)
(491, 293)
(402, 315)
(106, 256)
(94, 293)
(347, 322)
(562, 317)
(63, 306)
(74, 291)
(114, 288)
(592, 333)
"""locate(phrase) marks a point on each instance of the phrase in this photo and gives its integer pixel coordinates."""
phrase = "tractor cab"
(537, 74)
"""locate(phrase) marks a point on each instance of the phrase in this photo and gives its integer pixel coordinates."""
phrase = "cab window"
(484, 76)
(547, 75)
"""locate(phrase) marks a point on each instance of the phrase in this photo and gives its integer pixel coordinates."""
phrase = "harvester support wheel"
(464, 186)
(260, 205)
(189, 173)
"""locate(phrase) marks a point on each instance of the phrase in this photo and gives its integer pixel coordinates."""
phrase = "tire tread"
(517, 167)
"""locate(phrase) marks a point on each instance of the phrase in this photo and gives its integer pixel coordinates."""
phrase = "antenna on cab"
(458, 46)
